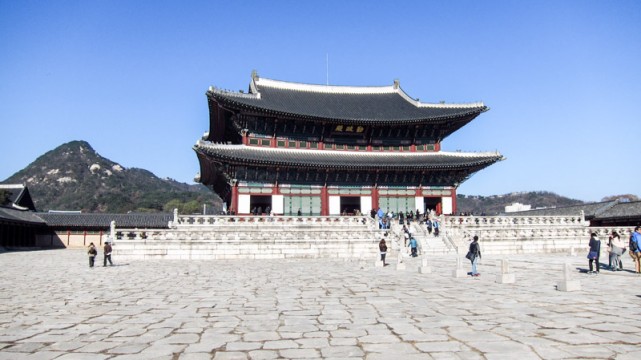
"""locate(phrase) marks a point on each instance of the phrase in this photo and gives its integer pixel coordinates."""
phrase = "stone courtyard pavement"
(52, 306)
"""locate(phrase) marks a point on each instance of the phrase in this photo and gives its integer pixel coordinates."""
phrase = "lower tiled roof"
(357, 160)
(87, 220)
(590, 210)
(622, 210)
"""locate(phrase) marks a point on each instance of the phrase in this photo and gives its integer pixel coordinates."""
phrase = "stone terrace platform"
(52, 306)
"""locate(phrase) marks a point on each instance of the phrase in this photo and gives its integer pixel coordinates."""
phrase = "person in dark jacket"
(593, 255)
(92, 252)
(383, 249)
(107, 252)
(475, 250)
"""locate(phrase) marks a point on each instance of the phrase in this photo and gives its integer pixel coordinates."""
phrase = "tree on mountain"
(4, 197)
(189, 207)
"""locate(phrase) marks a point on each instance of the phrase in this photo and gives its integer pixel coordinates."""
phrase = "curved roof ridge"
(417, 103)
(215, 90)
(257, 82)
(328, 89)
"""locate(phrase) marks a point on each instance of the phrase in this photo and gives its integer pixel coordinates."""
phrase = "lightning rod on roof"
(327, 67)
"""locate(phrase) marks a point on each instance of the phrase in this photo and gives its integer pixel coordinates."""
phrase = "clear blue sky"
(562, 78)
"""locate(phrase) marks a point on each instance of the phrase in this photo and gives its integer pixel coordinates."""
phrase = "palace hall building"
(327, 150)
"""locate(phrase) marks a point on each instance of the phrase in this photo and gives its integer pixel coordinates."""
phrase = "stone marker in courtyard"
(505, 277)
(379, 262)
(459, 272)
(400, 265)
(568, 284)
(424, 269)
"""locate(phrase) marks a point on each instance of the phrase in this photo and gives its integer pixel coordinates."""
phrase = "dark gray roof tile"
(20, 216)
(358, 160)
(590, 210)
(88, 220)
(357, 104)
(622, 210)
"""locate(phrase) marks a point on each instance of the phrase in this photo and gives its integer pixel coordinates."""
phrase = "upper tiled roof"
(351, 103)
(151, 220)
(357, 160)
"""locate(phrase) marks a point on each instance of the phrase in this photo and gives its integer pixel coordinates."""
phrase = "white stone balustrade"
(525, 234)
(230, 237)
(273, 221)
(512, 221)
(253, 237)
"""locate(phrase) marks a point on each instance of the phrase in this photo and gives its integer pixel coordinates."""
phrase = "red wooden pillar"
(453, 201)
(324, 201)
(375, 197)
(234, 198)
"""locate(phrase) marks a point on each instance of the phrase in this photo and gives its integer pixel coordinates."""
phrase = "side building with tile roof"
(328, 150)
(606, 213)
(22, 227)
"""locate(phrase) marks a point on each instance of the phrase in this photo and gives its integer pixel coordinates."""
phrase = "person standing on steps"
(414, 247)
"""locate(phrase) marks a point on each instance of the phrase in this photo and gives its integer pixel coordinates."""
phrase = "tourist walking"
(414, 247)
(92, 254)
(383, 249)
(428, 222)
(635, 248)
(616, 247)
(107, 252)
(436, 226)
(406, 235)
(474, 255)
(593, 255)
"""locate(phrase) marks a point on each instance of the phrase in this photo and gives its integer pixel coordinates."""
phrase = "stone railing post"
(112, 230)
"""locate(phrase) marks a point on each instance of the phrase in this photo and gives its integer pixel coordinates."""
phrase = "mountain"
(74, 177)
(495, 204)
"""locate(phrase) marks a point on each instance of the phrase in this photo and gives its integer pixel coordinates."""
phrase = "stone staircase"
(428, 243)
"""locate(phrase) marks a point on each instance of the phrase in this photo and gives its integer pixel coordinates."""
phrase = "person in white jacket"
(616, 246)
